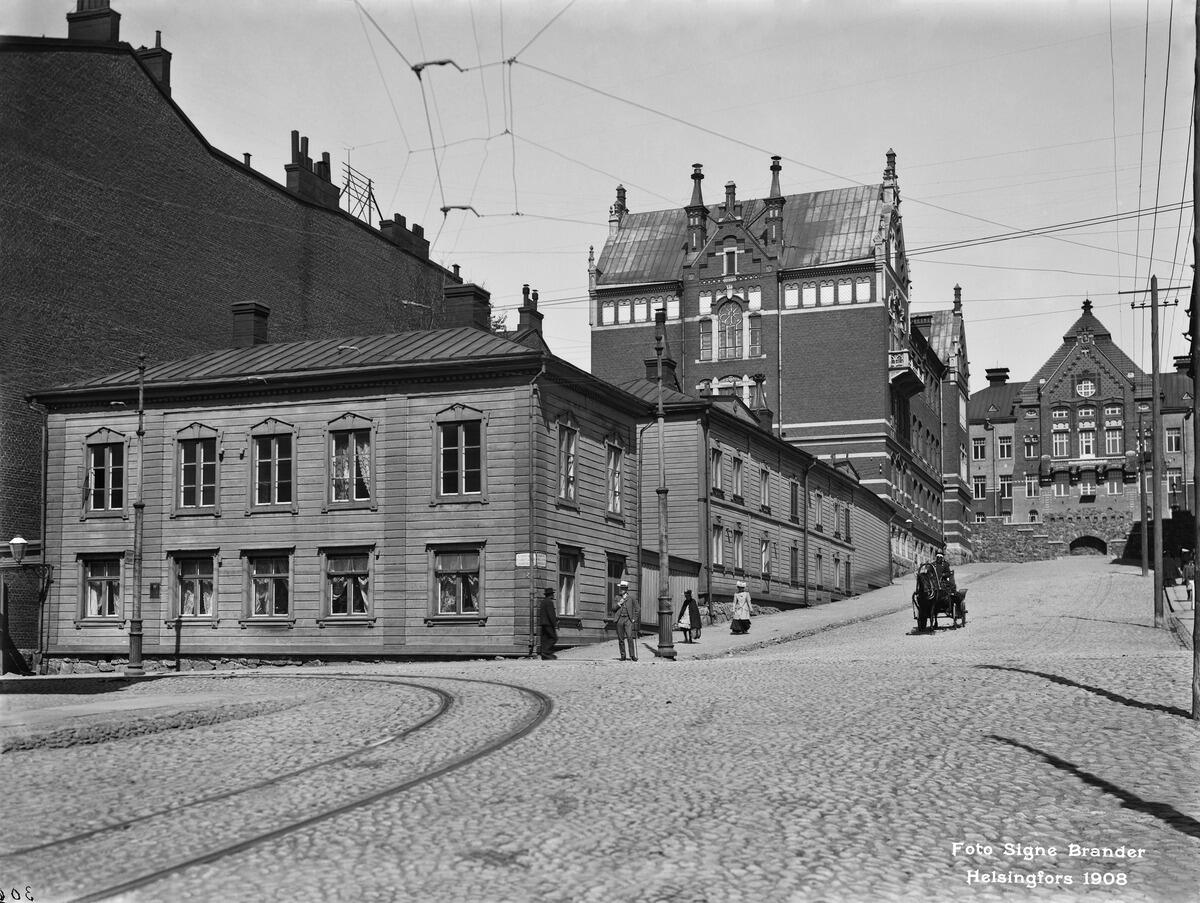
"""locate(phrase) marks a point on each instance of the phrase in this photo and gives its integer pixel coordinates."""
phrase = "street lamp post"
(666, 643)
(17, 547)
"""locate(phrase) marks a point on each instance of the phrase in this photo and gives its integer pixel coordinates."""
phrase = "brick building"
(124, 232)
(812, 291)
(1056, 460)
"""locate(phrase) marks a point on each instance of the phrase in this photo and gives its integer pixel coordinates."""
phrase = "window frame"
(567, 601)
(978, 448)
(1006, 486)
(198, 433)
(738, 480)
(176, 559)
(1172, 439)
(716, 466)
(614, 479)
(567, 484)
(249, 616)
(458, 416)
(1061, 445)
(272, 429)
(1004, 448)
(355, 619)
(104, 438)
(433, 613)
(351, 423)
(978, 488)
(729, 334)
(84, 563)
(764, 490)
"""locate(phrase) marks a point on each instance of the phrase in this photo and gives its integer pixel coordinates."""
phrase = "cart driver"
(944, 572)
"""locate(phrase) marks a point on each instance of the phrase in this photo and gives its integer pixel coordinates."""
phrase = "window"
(764, 489)
(1061, 489)
(351, 470)
(862, 290)
(737, 477)
(1060, 414)
(706, 344)
(1112, 442)
(1114, 487)
(616, 463)
(102, 587)
(1113, 410)
(978, 487)
(673, 307)
(608, 313)
(826, 294)
(739, 562)
(980, 517)
(1062, 445)
(795, 566)
(456, 580)
(1174, 479)
(730, 258)
(568, 571)
(845, 293)
(718, 546)
(348, 583)
(791, 296)
(460, 447)
(1087, 443)
(1004, 445)
(193, 597)
(808, 294)
(568, 440)
(1031, 447)
(705, 302)
(1174, 437)
(764, 558)
(794, 500)
(837, 518)
(755, 335)
(106, 476)
(1087, 488)
(1033, 516)
(1086, 388)
(820, 571)
(978, 449)
(1006, 491)
(272, 464)
(270, 585)
(197, 471)
(716, 462)
(624, 311)
(729, 331)
(1031, 486)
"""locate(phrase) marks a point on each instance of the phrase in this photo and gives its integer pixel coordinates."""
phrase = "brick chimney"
(958, 300)
(395, 231)
(249, 323)
(617, 212)
(730, 210)
(158, 61)
(94, 21)
(467, 305)
(997, 376)
(308, 180)
(529, 326)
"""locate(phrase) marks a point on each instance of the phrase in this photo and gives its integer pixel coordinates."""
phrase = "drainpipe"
(806, 507)
(533, 626)
(43, 614)
(706, 540)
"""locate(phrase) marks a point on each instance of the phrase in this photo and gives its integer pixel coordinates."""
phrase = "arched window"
(729, 330)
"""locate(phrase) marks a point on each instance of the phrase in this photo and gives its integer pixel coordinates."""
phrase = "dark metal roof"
(355, 353)
(1101, 341)
(996, 402)
(819, 227)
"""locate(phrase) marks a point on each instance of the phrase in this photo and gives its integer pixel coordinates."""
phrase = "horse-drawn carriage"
(936, 595)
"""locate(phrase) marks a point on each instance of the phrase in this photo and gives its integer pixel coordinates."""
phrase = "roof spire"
(697, 178)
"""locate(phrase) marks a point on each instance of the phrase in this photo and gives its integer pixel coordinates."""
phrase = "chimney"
(394, 231)
(529, 324)
(730, 209)
(158, 61)
(94, 21)
(308, 181)
(889, 192)
(958, 300)
(467, 305)
(774, 204)
(249, 323)
(669, 375)
(697, 213)
(997, 376)
(758, 401)
(617, 212)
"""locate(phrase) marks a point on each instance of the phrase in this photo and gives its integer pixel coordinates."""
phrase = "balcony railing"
(902, 374)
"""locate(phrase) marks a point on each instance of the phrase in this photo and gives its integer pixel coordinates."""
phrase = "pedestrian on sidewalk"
(741, 609)
(626, 617)
(1189, 574)
(548, 623)
(689, 617)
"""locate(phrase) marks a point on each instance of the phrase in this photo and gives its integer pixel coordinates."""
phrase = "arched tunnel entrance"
(1088, 545)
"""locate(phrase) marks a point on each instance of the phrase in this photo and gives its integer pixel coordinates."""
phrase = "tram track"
(536, 708)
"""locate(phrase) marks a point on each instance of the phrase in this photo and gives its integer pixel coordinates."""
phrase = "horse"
(925, 598)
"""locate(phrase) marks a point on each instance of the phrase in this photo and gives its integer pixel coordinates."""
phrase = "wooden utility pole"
(1156, 445)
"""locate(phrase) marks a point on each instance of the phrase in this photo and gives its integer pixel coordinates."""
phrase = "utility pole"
(1142, 492)
(1194, 329)
(135, 667)
(1156, 451)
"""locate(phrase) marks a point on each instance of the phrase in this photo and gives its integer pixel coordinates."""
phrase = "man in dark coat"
(689, 617)
(945, 574)
(548, 622)
(626, 617)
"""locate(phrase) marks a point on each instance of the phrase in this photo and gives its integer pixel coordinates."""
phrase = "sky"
(1005, 117)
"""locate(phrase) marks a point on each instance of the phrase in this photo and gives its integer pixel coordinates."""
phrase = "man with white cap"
(626, 617)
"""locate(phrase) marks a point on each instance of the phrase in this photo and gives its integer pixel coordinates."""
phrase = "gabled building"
(125, 232)
(1059, 456)
(389, 495)
(811, 291)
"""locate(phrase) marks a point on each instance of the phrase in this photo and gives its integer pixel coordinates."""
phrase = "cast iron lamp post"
(135, 668)
(666, 643)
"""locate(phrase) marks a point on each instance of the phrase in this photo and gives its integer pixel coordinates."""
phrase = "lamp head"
(17, 546)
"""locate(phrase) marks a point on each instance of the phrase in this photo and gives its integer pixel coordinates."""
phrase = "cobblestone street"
(1043, 752)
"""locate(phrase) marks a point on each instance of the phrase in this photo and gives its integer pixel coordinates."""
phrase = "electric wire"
(553, 19)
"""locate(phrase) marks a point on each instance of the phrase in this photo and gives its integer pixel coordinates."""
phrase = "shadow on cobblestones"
(1167, 814)
(1107, 694)
(1110, 621)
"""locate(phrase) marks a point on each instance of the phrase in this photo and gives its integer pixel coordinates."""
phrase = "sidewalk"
(766, 630)
(1181, 614)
